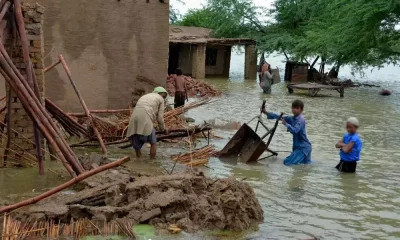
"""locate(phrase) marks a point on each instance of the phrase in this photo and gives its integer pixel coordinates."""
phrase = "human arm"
(340, 144)
(186, 94)
(269, 75)
(160, 116)
(296, 128)
(272, 115)
(347, 147)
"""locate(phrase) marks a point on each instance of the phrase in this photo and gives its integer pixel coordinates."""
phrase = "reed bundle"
(198, 157)
(14, 230)
(69, 124)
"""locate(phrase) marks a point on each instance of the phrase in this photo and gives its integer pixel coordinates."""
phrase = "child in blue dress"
(296, 125)
(350, 147)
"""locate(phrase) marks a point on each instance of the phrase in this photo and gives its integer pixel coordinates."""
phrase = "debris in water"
(385, 92)
(198, 157)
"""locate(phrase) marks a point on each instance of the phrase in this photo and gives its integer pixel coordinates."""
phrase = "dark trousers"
(347, 167)
(180, 98)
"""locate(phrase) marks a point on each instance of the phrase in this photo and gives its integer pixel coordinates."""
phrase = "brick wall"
(19, 118)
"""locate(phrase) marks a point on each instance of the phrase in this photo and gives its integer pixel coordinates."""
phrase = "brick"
(40, 8)
(37, 43)
(34, 37)
(33, 26)
(34, 49)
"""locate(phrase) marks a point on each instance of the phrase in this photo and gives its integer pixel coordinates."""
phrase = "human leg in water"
(153, 151)
(297, 157)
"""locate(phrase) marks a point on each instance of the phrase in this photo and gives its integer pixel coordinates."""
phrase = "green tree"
(360, 33)
(228, 18)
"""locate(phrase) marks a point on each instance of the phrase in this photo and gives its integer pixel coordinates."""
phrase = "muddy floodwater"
(301, 201)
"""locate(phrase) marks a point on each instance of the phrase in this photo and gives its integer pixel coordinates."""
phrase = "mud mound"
(191, 201)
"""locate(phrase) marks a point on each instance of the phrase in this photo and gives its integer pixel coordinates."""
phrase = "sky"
(190, 4)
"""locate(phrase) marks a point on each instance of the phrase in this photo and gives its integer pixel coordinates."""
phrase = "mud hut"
(200, 55)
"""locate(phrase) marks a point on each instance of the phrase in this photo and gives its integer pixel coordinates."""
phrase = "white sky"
(190, 4)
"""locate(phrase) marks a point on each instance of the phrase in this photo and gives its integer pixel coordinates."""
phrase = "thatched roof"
(198, 35)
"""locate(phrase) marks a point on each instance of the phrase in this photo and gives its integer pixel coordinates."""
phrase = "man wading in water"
(266, 78)
(180, 89)
(141, 130)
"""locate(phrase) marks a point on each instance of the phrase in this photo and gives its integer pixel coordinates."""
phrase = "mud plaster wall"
(218, 69)
(186, 58)
(23, 135)
(112, 47)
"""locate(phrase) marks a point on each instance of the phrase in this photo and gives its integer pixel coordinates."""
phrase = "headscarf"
(160, 90)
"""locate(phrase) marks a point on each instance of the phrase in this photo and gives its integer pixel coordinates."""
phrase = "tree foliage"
(228, 18)
(360, 33)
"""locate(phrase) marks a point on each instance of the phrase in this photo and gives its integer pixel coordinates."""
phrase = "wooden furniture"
(314, 88)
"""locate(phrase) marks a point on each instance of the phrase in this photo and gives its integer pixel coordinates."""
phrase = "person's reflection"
(298, 180)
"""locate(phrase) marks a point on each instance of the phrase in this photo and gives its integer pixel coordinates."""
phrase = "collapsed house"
(113, 61)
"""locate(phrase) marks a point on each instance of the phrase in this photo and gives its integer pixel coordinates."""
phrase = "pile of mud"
(190, 200)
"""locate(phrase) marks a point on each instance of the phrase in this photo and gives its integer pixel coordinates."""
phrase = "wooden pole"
(52, 66)
(315, 61)
(29, 77)
(4, 10)
(24, 42)
(30, 110)
(101, 111)
(37, 111)
(85, 108)
(64, 185)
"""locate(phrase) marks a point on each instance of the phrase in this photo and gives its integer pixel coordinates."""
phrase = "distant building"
(200, 55)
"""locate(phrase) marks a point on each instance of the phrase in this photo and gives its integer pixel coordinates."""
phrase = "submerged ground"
(301, 201)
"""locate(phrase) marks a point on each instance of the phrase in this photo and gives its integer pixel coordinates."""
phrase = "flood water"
(300, 201)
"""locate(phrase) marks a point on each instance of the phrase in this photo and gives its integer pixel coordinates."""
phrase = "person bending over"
(141, 129)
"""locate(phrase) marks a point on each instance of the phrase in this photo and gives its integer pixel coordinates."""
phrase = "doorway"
(173, 60)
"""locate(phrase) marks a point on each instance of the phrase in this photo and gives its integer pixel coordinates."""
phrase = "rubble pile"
(190, 200)
(194, 87)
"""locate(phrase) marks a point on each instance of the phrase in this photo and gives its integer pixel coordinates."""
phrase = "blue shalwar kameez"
(296, 125)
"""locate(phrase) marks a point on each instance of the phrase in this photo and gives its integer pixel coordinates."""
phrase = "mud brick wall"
(19, 118)
(114, 49)
(199, 61)
(250, 65)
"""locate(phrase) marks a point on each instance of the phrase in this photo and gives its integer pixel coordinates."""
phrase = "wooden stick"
(52, 66)
(85, 108)
(29, 76)
(39, 111)
(24, 42)
(64, 185)
(28, 107)
(33, 106)
(100, 111)
(4, 10)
